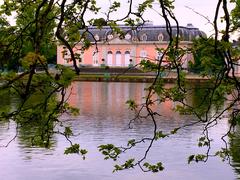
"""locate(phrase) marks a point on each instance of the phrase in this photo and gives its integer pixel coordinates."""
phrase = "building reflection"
(108, 100)
(100, 97)
(104, 105)
(96, 97)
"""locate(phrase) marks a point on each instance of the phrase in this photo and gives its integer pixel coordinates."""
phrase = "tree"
(27, 38)
(43, 21)
(205, 60)
(6, 51)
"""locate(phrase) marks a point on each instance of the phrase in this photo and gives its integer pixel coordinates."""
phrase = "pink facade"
(111, 50)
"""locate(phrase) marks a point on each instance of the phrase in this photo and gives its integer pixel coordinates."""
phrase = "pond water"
(104, 118)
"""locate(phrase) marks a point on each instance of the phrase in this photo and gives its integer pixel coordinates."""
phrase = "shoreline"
(136, 77)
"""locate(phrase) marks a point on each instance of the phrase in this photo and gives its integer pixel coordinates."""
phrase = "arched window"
(160, 37)
(127, 58)
(118, 58)
(144, 37)
(96, 36)
(110, 36)
(128, 36)
(109, 58)
(95, 58)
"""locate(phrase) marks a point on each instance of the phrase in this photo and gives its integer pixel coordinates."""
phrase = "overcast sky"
(184, 14)
(204, 7)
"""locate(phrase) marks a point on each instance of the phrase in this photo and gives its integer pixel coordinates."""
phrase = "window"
(160, 37)
(109, 37)
(128, 36)
(97, 38)
(159, 55)
(143, 54)
(95, 58)
(127, 58)
(144, 37)
(118, 58)
(109, 58)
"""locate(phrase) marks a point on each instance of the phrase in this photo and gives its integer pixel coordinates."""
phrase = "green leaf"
(154, 167)
(68, 132)
(131, 142)
(190, 158)
(110, 151)
(160, 134)
(131, 104)
(72, 149)
(175, 131)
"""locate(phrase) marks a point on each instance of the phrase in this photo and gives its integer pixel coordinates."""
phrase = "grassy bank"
(136, 78)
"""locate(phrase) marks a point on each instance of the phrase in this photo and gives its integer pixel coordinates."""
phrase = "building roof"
(147, 32)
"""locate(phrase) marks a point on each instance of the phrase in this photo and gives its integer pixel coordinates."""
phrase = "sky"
(184, 11)
(204, 7)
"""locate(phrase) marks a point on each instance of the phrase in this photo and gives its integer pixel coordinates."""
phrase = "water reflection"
(104, 98)
(104, 118)
(235, 149)
(200, 97)
(6, 101)
(7, 105)
(26, 132)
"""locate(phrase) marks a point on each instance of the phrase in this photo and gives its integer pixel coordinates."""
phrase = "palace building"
(139, 43)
